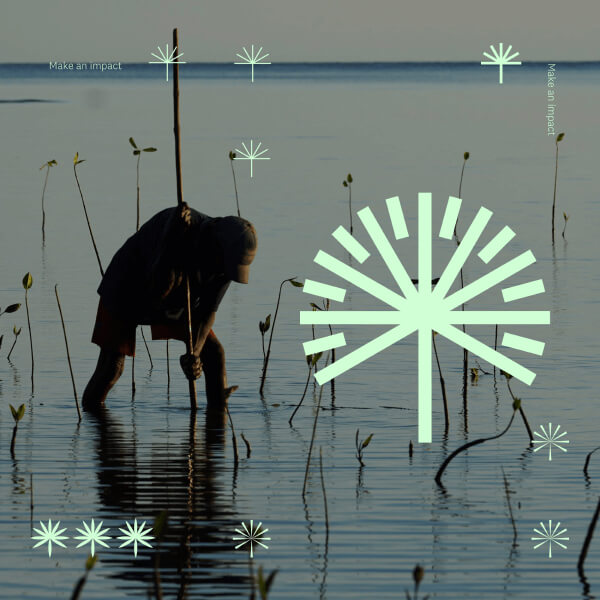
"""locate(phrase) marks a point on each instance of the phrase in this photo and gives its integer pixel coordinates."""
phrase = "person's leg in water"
(108, 370)
(212, 356)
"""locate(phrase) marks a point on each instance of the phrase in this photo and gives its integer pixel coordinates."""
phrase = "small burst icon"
(166, 58)
(49, 535)
(135, 535)
(550, 536)
(252, 535)
(92, 534)
(550, 438)
(252, 154)
(252, 59)
(500, 58)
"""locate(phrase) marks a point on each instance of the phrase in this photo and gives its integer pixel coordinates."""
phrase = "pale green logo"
(501, 58)
(252, 154)
(424, 308)
(166, 58)
(550, 535)
(252, 58)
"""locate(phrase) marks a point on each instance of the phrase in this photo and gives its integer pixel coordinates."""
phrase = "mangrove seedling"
(17, 414)
(295, 283)
(312, 441)
(438, 475)
(27, 283)
(232, 156)
(48, 165)
(442, 384)
(77, 161)
(263, 327)
(138, 152)
(559, 138)
(264, 584)
(17, 333)
(68, 353)
(347, 183)
(417, 575)
(566, 218)
(360, 447)
(588, 540)
(311, 361)
(10, 309)
(89, 565)
(520, 407)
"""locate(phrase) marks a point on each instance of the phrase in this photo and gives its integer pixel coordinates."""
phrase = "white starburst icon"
(92, 534)
(550, 536)
(135, 535)
(501, 58)
(166, 58)
(252, 154)
(50, 535)
(424, 310)
(252, 59)
(252, 535)
(550, 438)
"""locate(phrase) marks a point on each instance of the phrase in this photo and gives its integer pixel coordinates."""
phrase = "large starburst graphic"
(166, 58)
(135, 535)
(92, 534)
(252, 154)
(50, 534)
(550, 536)
(501, 58)
(550, 438)
(251, 535)
(251, 58)
(424, 309)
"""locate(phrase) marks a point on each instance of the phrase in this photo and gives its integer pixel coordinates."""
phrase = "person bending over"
(145, 284)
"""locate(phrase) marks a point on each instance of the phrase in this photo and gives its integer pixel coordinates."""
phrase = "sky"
(299, 30)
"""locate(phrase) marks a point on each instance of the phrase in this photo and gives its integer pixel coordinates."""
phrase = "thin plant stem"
(30, 338)
(248, 447)
(168, 368)
(31, 499)
(13, 440)
(237, 203)
(147, 349)
(438, 476)
(312, 441)
(510, 512)
(324, 494)
(68, 353)
(303, 394)
(266, 361)
(442, 384)
(525, 421)
(43, 208)
(12, 347)
(587, 461)
(137, 221)
(132, 376)
(88, 221)
(588, 539)
(236, 457)
(263, 346)
(350, 204)
(554, 197)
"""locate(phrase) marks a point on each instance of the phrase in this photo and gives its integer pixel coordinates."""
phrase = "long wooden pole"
(190, 341)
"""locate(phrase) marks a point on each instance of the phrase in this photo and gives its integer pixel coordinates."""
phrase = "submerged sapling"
(17, 414)
(48, 165)
(263, 327)
(559, 138)
(138, 152)
(566, 218)
(360, 446)
(232, 156)
(27, 283)
(16, 333)
(311, 361)
(347, 183)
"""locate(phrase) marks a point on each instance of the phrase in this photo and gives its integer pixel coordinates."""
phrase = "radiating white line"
(525, 344)
(360, 280)
(489, 280)
(450, 217)
(424, 244)
(350, 244)
(316, 288)
(496, 244)
(462, 252)
(337, 340)
(498, 317)
(387, 252)
(523, 290)
(363, 353)
(485, 352)
(397, 218)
